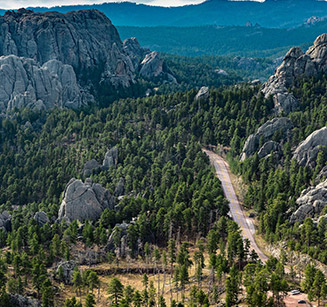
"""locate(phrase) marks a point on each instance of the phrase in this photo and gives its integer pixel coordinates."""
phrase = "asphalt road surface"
(237, 214)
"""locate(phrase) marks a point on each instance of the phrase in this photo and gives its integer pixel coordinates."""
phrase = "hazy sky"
(14, 4)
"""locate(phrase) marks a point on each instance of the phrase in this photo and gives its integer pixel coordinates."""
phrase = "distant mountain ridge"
(271, 13)
(227, 40)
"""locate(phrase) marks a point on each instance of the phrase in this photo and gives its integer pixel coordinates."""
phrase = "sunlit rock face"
(44, 55)
(295, 64)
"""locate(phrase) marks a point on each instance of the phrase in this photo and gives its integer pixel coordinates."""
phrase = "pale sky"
(15, 4)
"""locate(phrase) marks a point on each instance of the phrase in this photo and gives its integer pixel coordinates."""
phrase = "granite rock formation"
(134, 50)
(83, 39)
(41, 218)
(310, 203)
(203, 93)
(268, 147)
(295, 64)
(90, 167)
(24, 83)
(306, 153)
(5, 221)
(17, 300)
(83, 201)
(52, 59)
(266, 133)
(110, 159)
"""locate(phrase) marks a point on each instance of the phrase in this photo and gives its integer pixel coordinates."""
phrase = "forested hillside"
(224, 40)
(272, 14)
(170, 194)
(116, 203)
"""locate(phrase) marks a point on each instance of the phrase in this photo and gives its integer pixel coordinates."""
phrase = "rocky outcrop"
(84, 201)
(110, 159)
(221, 72)
(65, 269)
(90, 257)
(146, 63)
(265, 133)
(153, 66)
(24, 83)
(313, 20)
(269, 147)
(120, 188)
(318, 53)
(90, 167)
(16, 300)
(41, 218)
(5, 221)
(136, 53)
(310, 203)
(203, 93)
(295, 64)
(322, 175)
(306, 153)
(83, 39)
(54, 54)
(45, 55)
(121, 229)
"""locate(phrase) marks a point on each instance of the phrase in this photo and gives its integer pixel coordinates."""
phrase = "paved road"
(245, 223)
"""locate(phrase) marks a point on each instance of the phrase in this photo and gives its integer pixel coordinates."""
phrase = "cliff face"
(49, 59)
(43, 56)
(24, 83)
(82, 39)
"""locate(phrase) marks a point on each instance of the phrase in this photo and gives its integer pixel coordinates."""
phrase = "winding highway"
(238, 215)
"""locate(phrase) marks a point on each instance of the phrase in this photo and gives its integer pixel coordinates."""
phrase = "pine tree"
(115, 290)
(90, 300)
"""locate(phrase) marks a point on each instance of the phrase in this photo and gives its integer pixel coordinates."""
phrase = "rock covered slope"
(296, 64)
(45, 57)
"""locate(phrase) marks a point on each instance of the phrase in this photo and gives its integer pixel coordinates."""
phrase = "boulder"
(90, 257)
(122, 229)
(306, 153)
(203, 93)
(310, 203)
(41, 218)
(120, 188)
(90, 167)
(16, 300)
(110, 159)
(84, 201)
(268, 147)
(266, 132)
(295, 64)
(67, 271)
(5, 221)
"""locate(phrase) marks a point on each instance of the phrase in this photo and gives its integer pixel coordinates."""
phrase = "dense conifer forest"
(181, 222)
